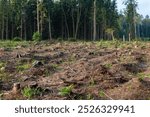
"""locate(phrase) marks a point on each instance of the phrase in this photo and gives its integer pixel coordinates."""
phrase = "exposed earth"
(75, 71)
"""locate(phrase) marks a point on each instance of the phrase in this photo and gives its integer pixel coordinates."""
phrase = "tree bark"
(68, 35)
(38, 17)
(41, 23)
(7, 27)
(78, 20)
(73, 26)
(3, 26)
(21, 31)
(94, 21)
(50, 31)
(25, 31)
(85, 30)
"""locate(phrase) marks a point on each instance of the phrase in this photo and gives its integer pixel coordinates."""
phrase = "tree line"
(72, 19)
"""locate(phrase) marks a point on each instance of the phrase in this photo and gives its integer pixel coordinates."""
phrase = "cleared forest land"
(75, 70)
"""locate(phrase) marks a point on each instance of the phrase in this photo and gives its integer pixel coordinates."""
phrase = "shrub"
(60, 39)
(30, 92)
(72, 39)
(65, 91)
(23, 67)
(36, 36)
(17, 39)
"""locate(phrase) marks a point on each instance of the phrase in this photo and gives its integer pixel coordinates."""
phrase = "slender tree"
(131, 6)
(94, 20)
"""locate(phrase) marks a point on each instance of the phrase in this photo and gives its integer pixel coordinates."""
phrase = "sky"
(143, 6)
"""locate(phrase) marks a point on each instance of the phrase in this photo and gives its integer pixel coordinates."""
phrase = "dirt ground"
(76, 71)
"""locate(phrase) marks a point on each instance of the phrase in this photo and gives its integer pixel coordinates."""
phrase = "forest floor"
(75, 70)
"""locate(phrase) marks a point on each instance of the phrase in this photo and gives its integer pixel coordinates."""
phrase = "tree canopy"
(76, 19)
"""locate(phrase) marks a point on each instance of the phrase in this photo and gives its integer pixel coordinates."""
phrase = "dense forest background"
(72, 19)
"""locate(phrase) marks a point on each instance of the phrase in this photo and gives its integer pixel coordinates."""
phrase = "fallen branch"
(108, 96)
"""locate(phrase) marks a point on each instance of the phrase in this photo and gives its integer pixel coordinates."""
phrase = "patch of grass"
(4, 76)
(23, 67)
(2, 64)
(30, 92)
(108, 65)
(90, 97)
(17, 39)
(72, 39)
(129, 87)
(52, 69)
(66, 91)
(12, 44)
(143, 47)
(120, 44)
(54, 66)
(109, 44)
(71, 58)
(101, 94)
(141, 76)
(92, 81)
(47, 73)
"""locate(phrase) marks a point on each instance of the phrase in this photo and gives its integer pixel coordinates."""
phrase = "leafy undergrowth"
(74, 70)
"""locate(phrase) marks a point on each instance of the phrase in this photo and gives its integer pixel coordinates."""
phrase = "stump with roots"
(16, 87)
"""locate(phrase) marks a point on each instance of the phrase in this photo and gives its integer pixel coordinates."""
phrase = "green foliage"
(90, 97)
(13, 44)
(17, 39)
(108, 65)
(23, 67)
(2, 64)
(54, 66)
(101, 94)
(49, 71)
(71, 19)
(92, 81)
(71, 59)
(66, 91)
(30, 92)
(4, 76)
(72, 39)
(109, 44)
(60, 39)
(36, 36)
(141, 76)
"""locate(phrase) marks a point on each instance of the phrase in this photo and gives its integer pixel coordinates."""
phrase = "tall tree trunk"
(85, 28)
(50, 30)
(94, 21)
(41, 27)
(129, 37)
(66, 23)
(12, 30)
(38, 17)
(7, 28)
(78, 20)
(73, 25)
(25, 31)
(62, 27)
(3, 26)
(21, 31)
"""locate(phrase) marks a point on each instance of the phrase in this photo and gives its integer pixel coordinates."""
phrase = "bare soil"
(96, 71)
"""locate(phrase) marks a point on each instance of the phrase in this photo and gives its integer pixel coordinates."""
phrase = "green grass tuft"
(23, 67)
(30, 92)
(65, 91)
